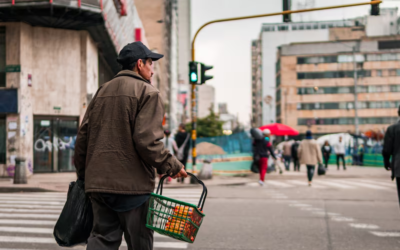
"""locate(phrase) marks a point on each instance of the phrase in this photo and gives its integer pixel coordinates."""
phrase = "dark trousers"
(184, 161)
(398, 188)
(296, 164)
(310, 172)
(326, 160)
(108, 227)
(287, 162)
(338, 157)
(361, 159)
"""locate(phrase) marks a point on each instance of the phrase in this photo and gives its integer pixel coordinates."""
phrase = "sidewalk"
(58, 182)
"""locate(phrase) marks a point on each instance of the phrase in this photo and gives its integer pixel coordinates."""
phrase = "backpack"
(181, 150)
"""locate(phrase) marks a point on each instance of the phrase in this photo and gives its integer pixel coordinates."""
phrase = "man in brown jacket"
(117, 148)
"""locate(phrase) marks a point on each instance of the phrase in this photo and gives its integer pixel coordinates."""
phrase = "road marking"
(382, 183)
(364, 185)
(386, 234)
(278, 184)
(31, 199)
(14, 210)
(311, 209)
(31, 206)
(40, 240)
(364, 226)
(34, 202)
(30, 230)
(333, 184)
(27, 222)
(299, 205)
(342, 219)
(326, 213)
(304, 183)
(38, 216)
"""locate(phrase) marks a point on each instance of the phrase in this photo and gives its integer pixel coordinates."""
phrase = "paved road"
(352, 210)
(27, 220)
(344, 210)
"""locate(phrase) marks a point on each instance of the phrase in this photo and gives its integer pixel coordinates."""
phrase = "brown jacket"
(309, 152)
(118, 143)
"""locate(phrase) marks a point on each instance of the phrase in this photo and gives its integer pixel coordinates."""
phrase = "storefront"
(54, 143)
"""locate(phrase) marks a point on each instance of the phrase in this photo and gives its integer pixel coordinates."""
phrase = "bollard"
(20, 171)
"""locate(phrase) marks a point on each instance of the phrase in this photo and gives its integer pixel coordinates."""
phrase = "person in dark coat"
(391, 152)
(295, 156)
(263, 148)
(182, 139)
(326, 153)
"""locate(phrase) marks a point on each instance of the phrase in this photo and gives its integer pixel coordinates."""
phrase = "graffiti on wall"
(41, 145)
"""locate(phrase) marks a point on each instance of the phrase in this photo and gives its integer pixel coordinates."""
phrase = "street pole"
(194, 115)
(355, 92)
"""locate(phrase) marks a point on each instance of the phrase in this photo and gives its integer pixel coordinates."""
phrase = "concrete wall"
(63, 67)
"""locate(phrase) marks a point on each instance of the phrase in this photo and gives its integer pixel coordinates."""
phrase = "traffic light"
(204, 77)
(197, 73)
(374, 9)
(286, 6)
(193, 72)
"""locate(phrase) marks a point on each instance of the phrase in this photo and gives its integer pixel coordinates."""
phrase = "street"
(356, 209)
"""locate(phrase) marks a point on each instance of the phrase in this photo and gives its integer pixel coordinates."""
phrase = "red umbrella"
(280, 129)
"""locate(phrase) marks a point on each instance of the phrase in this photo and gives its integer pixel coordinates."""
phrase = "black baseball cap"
(135, 51)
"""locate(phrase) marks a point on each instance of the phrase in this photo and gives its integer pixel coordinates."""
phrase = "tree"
(208, 126)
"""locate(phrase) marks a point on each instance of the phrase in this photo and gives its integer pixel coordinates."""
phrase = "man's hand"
(388, 167)
(181, 173)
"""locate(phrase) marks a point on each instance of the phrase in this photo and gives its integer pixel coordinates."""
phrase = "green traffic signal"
(193, 72)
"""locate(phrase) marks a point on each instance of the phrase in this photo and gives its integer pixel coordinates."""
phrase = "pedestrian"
(340, 151)
(182, 139)
(326, 153)
(117, 148)
(263, 148)
(310, 155)
(361, 154)
(170, 144)
(391, 152)
(295, 157)
(287, 154)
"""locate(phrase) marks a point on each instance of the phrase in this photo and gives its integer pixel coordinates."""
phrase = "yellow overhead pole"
(193, 95)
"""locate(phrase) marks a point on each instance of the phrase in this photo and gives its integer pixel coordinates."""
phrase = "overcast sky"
(227, 46)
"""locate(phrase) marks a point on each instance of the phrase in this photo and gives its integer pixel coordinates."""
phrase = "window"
(392, 72)
(283, 27)
(379, 73)
(346, 120)
(2, 140)
(301, 27)
(323, 26)
(278, 81)
(393, 44)
(315, 26)
(2, 57)
(294, 27)
(316, 59)
(332, 74)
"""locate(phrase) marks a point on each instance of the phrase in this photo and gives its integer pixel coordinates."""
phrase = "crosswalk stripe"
(277, 183)
(28, 222)
(385, 184)
(14, 210)
(386, 234)
(32, 199)
(41, 240)
(304, 183)
(11, 205)
(34, 202)
(333, 184)
(23, 216)
(366, 185)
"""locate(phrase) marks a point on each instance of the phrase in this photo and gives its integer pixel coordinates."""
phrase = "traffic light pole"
(287, 12)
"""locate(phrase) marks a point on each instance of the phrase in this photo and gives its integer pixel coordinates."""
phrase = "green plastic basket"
(174, 218)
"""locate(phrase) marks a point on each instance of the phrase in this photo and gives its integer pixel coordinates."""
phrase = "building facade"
(319, 84)
(205, 93)
(50, 69)
(277, 34)
(256, 86)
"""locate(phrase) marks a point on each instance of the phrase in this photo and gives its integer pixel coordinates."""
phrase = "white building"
(206, 95)
(276, 34)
